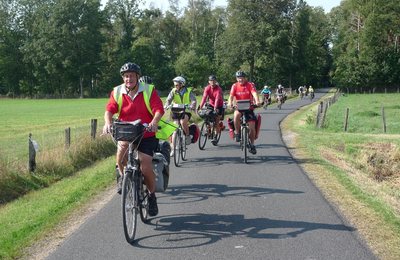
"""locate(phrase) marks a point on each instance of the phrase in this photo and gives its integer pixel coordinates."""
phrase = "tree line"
(366, 39)
(69, 48)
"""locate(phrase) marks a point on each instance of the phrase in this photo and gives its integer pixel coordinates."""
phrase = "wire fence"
(325, 104)
(20, 150)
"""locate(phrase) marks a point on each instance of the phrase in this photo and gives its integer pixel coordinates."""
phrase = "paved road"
(219, 208)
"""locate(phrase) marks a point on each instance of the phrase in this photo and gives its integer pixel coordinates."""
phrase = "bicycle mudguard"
(231, 127)
(258, 125)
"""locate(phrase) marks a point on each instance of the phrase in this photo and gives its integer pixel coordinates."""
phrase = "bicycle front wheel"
(203, 136)
(129, 206)
(245, 140)
(177, 148)
(216, 135)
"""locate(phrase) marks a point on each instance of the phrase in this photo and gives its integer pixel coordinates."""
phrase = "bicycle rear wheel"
(129, 206)
(183, 147)
(177, 147)
(203, 136)
(245, 140)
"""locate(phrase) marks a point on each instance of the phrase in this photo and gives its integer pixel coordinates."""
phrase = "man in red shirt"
(130, 104)
(215, 101)
(244, 90)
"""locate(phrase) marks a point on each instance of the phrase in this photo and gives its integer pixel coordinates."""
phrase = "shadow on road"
(199, 192)
(183, 231)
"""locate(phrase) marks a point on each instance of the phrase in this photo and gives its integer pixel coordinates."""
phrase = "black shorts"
(220, 111)
(148, 145)
(177, 116)
(250, 116)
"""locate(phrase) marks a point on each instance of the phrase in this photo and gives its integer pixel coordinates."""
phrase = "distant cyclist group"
(136, 102)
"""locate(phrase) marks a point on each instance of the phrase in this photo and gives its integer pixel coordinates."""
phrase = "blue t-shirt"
(266, 91)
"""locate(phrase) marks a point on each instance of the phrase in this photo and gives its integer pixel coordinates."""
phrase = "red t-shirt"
(241, 92)
(214, 95)
(132, 110)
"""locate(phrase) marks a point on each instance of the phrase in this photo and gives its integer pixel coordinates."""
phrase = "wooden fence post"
(93, 128)
(346, 120)
(322, 121)
(384, 119)
(319, 112)
(67, 137)
(32, 154)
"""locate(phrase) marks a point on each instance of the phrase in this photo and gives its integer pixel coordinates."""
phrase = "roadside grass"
(357, 171)
(52, 166)
(30, 218)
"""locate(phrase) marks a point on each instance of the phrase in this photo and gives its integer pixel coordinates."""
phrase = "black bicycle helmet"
(130, 67)
(146, 79)
(240, 73)
(212, 77)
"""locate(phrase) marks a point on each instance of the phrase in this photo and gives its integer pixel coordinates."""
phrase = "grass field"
(46, 120)
(365, 114)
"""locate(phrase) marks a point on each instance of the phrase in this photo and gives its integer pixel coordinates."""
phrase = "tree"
(65, 45)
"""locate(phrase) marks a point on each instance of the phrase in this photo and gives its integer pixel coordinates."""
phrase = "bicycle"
(266, 101)
(208, 129)
(279, 100)
(134, 193)
(301, 94)
(312, 95)
(244, 106)
(179, 144)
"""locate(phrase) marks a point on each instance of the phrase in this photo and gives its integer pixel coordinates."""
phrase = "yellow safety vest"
(166, 128)
(186, 97)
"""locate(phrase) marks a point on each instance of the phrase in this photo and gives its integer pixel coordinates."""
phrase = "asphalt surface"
(217, 207)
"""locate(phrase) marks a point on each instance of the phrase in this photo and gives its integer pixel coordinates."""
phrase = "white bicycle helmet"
(180, 80)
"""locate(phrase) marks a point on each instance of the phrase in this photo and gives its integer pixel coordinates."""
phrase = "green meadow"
(365, 113)
(46, 120)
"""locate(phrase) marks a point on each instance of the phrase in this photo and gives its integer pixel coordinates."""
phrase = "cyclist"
(311, 91)
(280, 93)
(213, 92)
(146, 79)
(266, 92)
(301, 91)
(131, 101)
(242, 90)
(181, 94)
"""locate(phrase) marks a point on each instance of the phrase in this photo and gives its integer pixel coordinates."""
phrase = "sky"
(163, 4)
